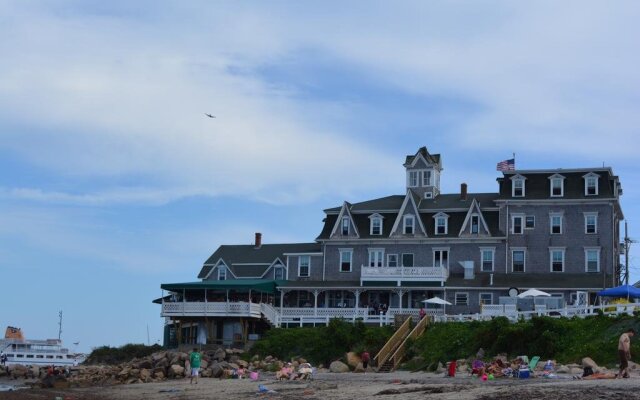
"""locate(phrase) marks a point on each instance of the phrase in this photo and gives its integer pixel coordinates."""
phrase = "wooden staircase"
(392, 353)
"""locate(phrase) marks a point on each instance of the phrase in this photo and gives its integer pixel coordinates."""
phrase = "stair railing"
(419, 329)
(398, 336)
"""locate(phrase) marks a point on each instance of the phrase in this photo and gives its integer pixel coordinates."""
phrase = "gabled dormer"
(376, 222)
(408, 222)
(518, 188)
(474, 224)
(423, 173)
(556, 185)
(591, 184)
(219, 272)
(441, 225)
(345, 226)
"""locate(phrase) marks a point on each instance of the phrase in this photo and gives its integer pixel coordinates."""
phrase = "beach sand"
(396, 385)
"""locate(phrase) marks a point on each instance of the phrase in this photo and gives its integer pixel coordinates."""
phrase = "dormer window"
(441, 227)
(222, 273)
(591, 184)
(409, 224)
(475, 224)
(376, 225)
(413, 178)
(556, 183)
(517, 186)
(345, 226)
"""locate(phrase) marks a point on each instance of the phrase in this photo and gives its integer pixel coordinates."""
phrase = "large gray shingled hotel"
(556, 230)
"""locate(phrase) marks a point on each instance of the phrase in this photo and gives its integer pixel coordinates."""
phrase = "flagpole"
(514, 160)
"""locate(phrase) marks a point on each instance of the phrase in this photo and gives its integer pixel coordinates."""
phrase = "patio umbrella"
(533, 293)
(437, 300)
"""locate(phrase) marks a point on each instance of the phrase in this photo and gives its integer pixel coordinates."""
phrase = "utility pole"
(60, 325)
(627, 245)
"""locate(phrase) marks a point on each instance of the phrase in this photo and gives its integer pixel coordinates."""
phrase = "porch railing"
(221, 309)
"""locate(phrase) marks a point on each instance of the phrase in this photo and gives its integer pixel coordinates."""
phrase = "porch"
(404, 274)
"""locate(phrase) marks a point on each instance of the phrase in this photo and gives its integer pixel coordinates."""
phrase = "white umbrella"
(437, 300)
(533, 293)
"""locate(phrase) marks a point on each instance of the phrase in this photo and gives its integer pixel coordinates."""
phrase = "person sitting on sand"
(241, 372)
(304, 372)
(285, 372)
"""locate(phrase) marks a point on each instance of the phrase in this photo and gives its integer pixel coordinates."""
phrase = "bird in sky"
(209, 115)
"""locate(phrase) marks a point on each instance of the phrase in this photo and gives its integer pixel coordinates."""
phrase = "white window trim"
(275, 269)
(300, 266)
(418, 176)
(515, 178)
(447, 249)
(345, 218)
(446, 223)
(374, 251)
(524, 263)
(474, 215)
(401, 261)
(513, 224)
(586, 260)
(222, 271)
(485, 293)
(375, 218)
(556, 214)
(397, 260)
(586, 180)
(553, 178)
(587, 215)
(493, 258)
(413, 224)
(455, 301)
(564, 257)
(423, 175)
(350, 251)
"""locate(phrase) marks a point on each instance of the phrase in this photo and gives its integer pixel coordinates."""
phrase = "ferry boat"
(19, 350)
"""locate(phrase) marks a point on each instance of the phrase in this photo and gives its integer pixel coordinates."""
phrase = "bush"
(117, 355)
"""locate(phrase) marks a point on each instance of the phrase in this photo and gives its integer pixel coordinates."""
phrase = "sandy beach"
(396, 385)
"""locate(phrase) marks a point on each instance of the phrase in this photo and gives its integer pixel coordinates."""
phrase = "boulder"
(563, 369)
(18, 371)
(155, 357)
(268, 359)
(353, 359)
(176, 371)
(146, 364)
(220, 354)
(162, 363)
(206, 373)
(338, 367)
(576, 371)
(440, 368)
(359, 368)
(145, 375)
(243, 363)
(588, 362)
(159, 375)
(216, 371)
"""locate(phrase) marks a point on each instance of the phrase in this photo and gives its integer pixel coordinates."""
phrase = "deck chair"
(533, 363)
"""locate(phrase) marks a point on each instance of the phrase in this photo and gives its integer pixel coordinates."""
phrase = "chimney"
(463, 191)
(258, 240)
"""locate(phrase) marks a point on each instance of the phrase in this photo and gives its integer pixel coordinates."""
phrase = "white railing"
(215, 309)
(431, 274)
(303, 316)
(270, 314)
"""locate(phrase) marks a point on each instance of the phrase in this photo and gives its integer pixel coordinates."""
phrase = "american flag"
(506, 165)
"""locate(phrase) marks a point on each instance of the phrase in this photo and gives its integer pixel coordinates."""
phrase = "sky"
(114, 181)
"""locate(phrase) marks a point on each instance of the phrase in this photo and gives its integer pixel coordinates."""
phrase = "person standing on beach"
(365, 360)
(194, 360)
(624, 352)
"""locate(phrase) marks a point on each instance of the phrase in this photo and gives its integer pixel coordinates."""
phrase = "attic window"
(222, 273)
(376, 226)
(518, 188)
(428, 195)
(557, 187)
(408, 224)
(345, 226)
(441, 226)
(475, 224)
(591, 185)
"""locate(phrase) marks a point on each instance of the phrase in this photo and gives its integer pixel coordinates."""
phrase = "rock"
(162, 363)
(359, 368)
(155, 357)
(220, 354)
(234, 365)
(18, 371)
(176, 370)
(159, 375)
(145, 375)
(576, 371)
(234, 358)
(216, 370)
(353, 359)
(268, 359)
(440, 368)
(243, 363)
(255, 358)
(146, 364)
(338, 367)
(206, 373)
(463, 368)
(301, 360)
(563, 369)
(588, 362)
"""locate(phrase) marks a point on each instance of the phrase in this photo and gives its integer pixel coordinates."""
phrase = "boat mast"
(60, 325)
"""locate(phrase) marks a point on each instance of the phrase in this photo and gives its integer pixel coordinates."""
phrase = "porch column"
(400, 293)
(281, 300)
(316, 292)
(356, 293)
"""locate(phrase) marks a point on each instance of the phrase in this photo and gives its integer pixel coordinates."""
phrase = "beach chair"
(533, 363)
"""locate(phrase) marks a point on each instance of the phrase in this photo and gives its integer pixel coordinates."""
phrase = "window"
(376, 226)
(530, 222)
(407, 259)
(590, 223)
(516, 224)
(426, 178)
(487, 258)
(413, 178)
(475, 224)
(441, 226)
(345, 260)
(556, 223)
(222, 273)
(304, 263)
(345, 226)
(557, 260)
(517, 260)
(441, 258)
(376, 257)
(408, 224)
(557, 186)
(392, 260)
(278, 274)
(591, 184)
(462, 299)
(518, 187)
(486, 298)
(592, 259)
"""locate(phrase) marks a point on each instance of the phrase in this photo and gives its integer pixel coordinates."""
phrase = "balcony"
(210, 309)
(404, 274)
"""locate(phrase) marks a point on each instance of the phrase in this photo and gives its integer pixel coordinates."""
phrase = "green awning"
(244, 285)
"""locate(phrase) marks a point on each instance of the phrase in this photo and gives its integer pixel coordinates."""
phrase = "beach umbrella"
(437, 300)
(533, 293)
